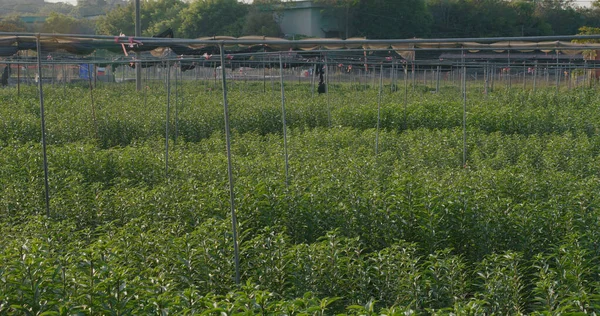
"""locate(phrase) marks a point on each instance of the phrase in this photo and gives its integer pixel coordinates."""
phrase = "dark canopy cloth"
(84, 45)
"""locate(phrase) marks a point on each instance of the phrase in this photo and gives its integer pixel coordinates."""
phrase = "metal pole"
(285, 151)
(366, 77)
(182, 104)
(379, 109)
(271, 75)
(509, 70)
(264, 72)
(557, 73)
(43, 122)
(392, 78)
(486, 75)
(168, 119)
(464, 87)
(327, 90)
(585, 74)
(547, 73)
(534, 72)
(236, 251)
(374, 71)
(312, 81)
(524, 76)
(138, 56)
(437, 83)
(493, 78)
(176, 105)
(569, 75)
(92, 101)
(413, 75)
(405, 96)
(18, 76)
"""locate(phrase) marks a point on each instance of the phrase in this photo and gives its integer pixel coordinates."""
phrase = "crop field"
(370, 221)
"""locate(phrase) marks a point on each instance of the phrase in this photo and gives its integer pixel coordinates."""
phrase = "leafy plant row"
(53, 268)
(120, 116)
(411, 228)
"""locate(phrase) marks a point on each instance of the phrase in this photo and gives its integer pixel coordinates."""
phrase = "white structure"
(307, 18)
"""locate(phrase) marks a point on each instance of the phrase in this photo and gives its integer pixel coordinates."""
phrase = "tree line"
(374, 19)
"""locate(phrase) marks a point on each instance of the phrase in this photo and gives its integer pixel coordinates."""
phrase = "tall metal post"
(437, 79)
(492, 77)
(392, 78)
(312, 81)
(569, 75)
(380, 95)
(138, 56)
(92, 102)
(19, 76)
(464, 88)
(327, 90)
(285, 151)
(405, 96)
(534, 72)
(176, 105)
(585, 74)
(524, 76)
(509, 71)
(43, 122)
(486, 75)
(236, 251)
(557, 73)
(413, 75)
(167, 121)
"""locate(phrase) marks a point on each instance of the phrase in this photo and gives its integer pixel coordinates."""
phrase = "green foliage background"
(374, 19)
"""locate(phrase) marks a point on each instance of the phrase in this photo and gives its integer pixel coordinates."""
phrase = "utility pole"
(138, 56)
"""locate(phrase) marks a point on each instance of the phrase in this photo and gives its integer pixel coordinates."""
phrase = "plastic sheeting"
(10, 45)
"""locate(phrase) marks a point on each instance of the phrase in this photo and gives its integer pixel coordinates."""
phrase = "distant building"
(33, 19)
(306, 18)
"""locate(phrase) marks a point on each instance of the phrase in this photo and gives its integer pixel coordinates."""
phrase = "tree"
(117, 21)
(590, 54)
(159, 15)
(156, 16)
(64, 24)
(344, 10)
(59, 7)
(213, 17)
(377, 19)
(90, 7)
(563, 18)
(529, 23)
(480, 18)
(261, 22)
(12, 24)
(586, 30)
